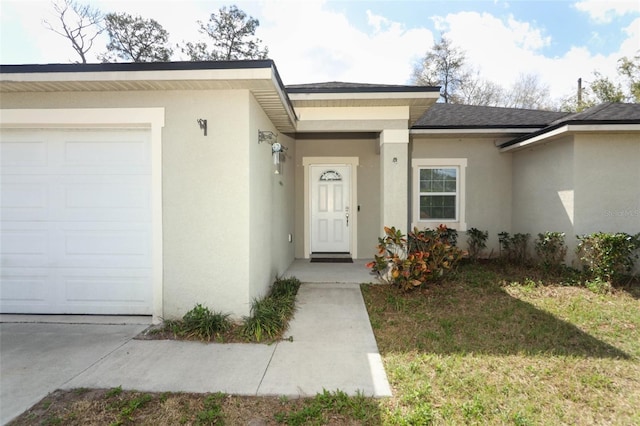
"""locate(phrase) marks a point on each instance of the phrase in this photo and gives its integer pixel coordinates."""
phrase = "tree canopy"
(135, 39)
(231, 36)
(443, 65)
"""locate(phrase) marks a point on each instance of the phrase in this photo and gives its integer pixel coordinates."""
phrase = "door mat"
(331, 260)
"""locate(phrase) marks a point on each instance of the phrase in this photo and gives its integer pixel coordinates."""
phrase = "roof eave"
(260, 77)
(561, 129)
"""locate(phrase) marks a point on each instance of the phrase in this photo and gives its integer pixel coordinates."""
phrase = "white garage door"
(75, 221)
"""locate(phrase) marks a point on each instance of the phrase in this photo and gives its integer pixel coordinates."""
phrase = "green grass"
(495, 344)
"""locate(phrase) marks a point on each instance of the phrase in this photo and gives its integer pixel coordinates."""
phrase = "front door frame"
(353, 219)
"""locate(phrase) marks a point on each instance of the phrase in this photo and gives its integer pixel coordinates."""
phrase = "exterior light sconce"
(203, 125)
(276, 148)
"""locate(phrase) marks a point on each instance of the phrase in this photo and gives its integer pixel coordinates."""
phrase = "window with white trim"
(438, 188)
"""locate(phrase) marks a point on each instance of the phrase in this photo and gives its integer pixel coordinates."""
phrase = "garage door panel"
(102, 153)
(126, 199)
(25, 286)
(113, 249)
(107, 286)
(75, 222)
(22, 199)
(25, 247)
(23, 154)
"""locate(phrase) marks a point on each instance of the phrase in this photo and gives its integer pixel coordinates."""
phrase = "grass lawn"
(500, 345)
(490, 345)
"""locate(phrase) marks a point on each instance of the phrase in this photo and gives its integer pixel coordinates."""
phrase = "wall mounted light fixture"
(276, 148)
(203, 125)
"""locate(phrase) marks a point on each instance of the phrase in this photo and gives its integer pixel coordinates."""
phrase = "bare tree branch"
(78, 23)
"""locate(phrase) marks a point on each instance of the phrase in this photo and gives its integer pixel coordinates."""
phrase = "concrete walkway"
(332, 347)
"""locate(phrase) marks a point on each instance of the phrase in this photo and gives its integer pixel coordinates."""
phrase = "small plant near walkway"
(269, 318)
(270, 315)
(411, 261)
(200, 323)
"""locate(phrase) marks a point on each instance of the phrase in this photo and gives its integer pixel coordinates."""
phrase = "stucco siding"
(488, 182)
(368, 178)
(543, 190)
(607, 183)
(271, 205)
(205, 190)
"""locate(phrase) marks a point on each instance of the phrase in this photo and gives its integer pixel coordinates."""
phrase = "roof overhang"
(473, 131)
(259, 77)
(417, 101)
(558, 132)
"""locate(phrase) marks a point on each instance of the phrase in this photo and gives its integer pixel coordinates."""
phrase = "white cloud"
(320, 44)
(604, 11)
(505, 48)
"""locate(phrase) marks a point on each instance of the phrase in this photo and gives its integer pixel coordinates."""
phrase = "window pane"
(438, 180)
(437, 207)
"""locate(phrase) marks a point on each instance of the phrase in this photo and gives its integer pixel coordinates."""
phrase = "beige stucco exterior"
(579, 184)
(488, 188)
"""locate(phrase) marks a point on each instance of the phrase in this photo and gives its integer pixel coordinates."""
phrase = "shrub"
(285, 287)
(477, 241)
(551, 250)
(608, 256)
(409, 263)
(270, 315)
(513, 248)
(202, 323)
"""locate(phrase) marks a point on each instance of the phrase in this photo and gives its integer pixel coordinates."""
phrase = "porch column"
(394, 178)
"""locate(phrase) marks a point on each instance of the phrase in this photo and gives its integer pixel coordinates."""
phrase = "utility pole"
(579, 93)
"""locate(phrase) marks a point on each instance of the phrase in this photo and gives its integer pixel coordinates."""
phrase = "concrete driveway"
(38, 358)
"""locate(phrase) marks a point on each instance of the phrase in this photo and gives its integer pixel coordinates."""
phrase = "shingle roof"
(456, 116)
(346, 87)
(607, 113)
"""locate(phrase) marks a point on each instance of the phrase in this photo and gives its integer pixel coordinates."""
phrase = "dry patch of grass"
(500, 345)
(117, 407)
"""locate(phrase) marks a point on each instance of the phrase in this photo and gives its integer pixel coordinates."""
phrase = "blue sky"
(379, 41)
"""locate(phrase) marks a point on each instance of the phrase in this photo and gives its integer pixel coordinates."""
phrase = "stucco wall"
(578, 185)
(543, 190)
(271, 205)
(488, 182)
(607, 183)
(368, 177)
(206, 190)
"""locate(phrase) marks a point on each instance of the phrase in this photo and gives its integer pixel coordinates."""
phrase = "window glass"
(438, 193)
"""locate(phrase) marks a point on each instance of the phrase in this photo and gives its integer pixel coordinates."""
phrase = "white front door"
(330, 208)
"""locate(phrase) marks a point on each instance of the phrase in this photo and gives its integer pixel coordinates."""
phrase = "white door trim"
(142, 118)
(353, 229)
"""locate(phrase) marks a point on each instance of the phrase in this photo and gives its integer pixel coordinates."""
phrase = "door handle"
(347, 215)
(346, 209)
